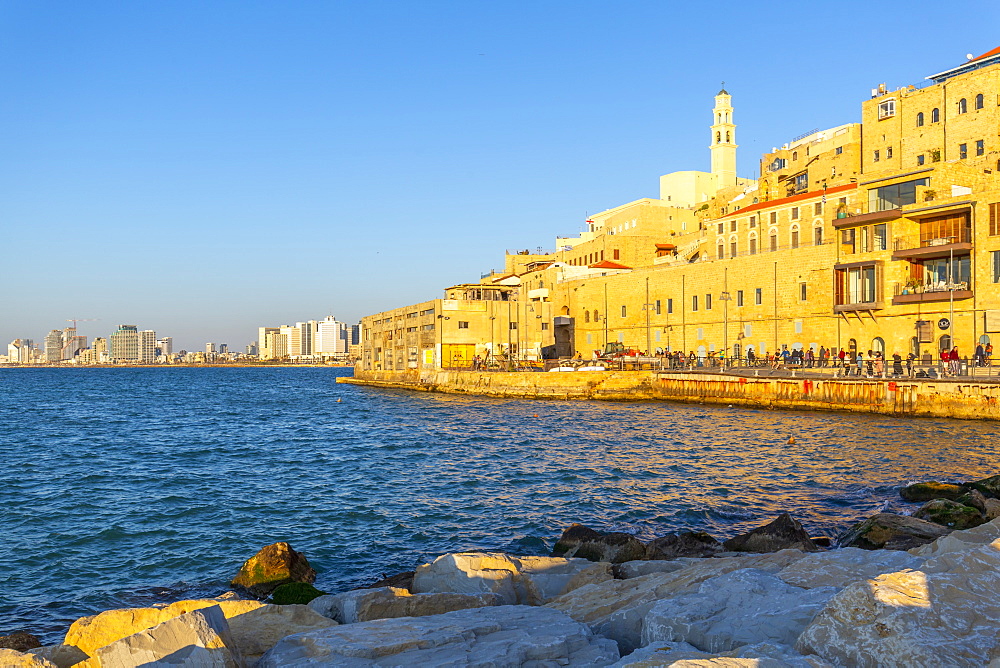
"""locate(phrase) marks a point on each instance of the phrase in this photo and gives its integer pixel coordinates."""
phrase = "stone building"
(883, 235)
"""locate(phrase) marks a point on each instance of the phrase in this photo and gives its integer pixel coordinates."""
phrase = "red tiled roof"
(666, 247)
(987, 54)
(789, 200)
(607, 264)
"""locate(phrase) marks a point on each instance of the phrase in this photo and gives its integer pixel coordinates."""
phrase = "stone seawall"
(937, 398)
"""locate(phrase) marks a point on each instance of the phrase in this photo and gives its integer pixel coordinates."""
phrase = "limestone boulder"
(63, 656)
(615, 609)
(783, 533)
(960, 541)
(364, 605)
(197, 638)
(951, 514)
(743, 607)
(20, 641)
(928, 491)
(989, 487)
(514, 580)
(839, 568)
(974, 499)
(90, 633)
(586, 543)
(273, 566)
(258, 630)
(685, 544)
(944, 615)
(634, 569)
(504, 636)
(11, 658)
(892, 532)
(683, 655)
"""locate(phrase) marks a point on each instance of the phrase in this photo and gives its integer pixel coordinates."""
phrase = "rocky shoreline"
(896, 590)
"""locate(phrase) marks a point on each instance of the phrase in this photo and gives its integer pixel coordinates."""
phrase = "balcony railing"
(914, 288)
(964, 236)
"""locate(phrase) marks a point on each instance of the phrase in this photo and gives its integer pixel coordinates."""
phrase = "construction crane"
(76, 320)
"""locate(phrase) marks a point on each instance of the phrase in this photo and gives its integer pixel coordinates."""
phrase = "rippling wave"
(132, 486)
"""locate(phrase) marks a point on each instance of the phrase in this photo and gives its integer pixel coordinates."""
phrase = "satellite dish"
(969, 56)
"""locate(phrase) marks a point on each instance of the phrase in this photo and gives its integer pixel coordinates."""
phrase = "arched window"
(944, 343)
(818, 236)
(852, 348)
(718, 137)
(732, 246)
(795, 155)
(718, 118)
(984, 340)
(753, 243)
(935, 115)
(979, 101)
(774, 240)
(794, 241)
(597, 315)
(920, 119)
(915, 346)
(878, 345)
(586, 315)
(963, 106)
(564, 310)
(728, 136)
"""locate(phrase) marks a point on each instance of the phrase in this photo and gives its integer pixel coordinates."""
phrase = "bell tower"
(723, 141)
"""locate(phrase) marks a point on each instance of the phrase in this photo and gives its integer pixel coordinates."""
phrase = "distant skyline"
(203, 169)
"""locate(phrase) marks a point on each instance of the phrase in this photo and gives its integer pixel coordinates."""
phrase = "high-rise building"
(53, 345)
(166, 345)
(223, 348)
(210, 348)
(253, 348)
(19, 351)
(264, 342)
(125, 344)
(331, 337)
(72, 347)
(147, 346)
(356, 335)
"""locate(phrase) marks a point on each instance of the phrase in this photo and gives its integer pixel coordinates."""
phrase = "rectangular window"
(513, 325)
(865, 239)
(995, 219)
(995, 255)
(753, 245)
(801, 182)
(774, 217)
(774, 242)
(708, 302)
(856, 285)
(722, 228)
(817, 208)
(732, 249)
(670, 306)
(623, 311)
(818, 232)
(795, 213)
(732, 226)
(720, 251)
(802, 292)
(463, 324)
(798, 326)
(795, 238)
(920, 159)
(747, 330)
(694, 302)
(963, 151)
(980, 147)
(895, 196)
(753, 222)
(838, 150)
(887, 109)
(875, 156)
(880, 233)
(701, 333)
(739, 298)
(545, 325)
(658, 307)
(888, 153)
(615, 254)
(758, 297)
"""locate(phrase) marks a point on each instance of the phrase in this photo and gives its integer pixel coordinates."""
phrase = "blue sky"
(205, 168)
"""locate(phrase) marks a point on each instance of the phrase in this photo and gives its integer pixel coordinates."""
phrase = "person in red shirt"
(953, 360)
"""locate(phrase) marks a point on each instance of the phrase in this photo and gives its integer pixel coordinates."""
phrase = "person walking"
(945, 362)
(953, 361)
(859, 363)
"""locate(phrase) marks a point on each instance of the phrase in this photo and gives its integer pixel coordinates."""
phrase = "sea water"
(126, 487)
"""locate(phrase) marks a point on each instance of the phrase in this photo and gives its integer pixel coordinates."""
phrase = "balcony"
(866, 218)
(864, 306)
(924, 248)
(915, 293)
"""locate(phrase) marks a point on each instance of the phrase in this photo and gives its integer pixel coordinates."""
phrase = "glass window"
(963, 106)
(935, 115)
(946, 273)
(670, 306)
(818, 232)
(847, 238)
(623, 311)
(795, 237)
(920, 119)
(980, 147)
(732, 225)
(880, 233)
(995, 256)
(817, 208)
(802, 291)
(920, 159)
(963, 151)
(658, 311)
(887, 109)
(708, 302)
(758, 296)
(802, 181)
(774, 217)
(895, 196)
(720, 252)
(979, 101)
(753, 222)
(795, 213)
(739, 293)
(888, 152)
(774, 241)
(694, 302)
(753, 245)
(856, 285)
(732, 249)
(838, 150)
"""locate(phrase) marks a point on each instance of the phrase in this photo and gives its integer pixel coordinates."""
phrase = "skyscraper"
(125, 344)
(147, 346)
(53, 345)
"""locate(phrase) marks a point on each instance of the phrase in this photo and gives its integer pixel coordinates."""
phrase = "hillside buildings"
(882, 235)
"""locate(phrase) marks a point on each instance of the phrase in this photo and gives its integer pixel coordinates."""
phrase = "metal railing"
(918, 288)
